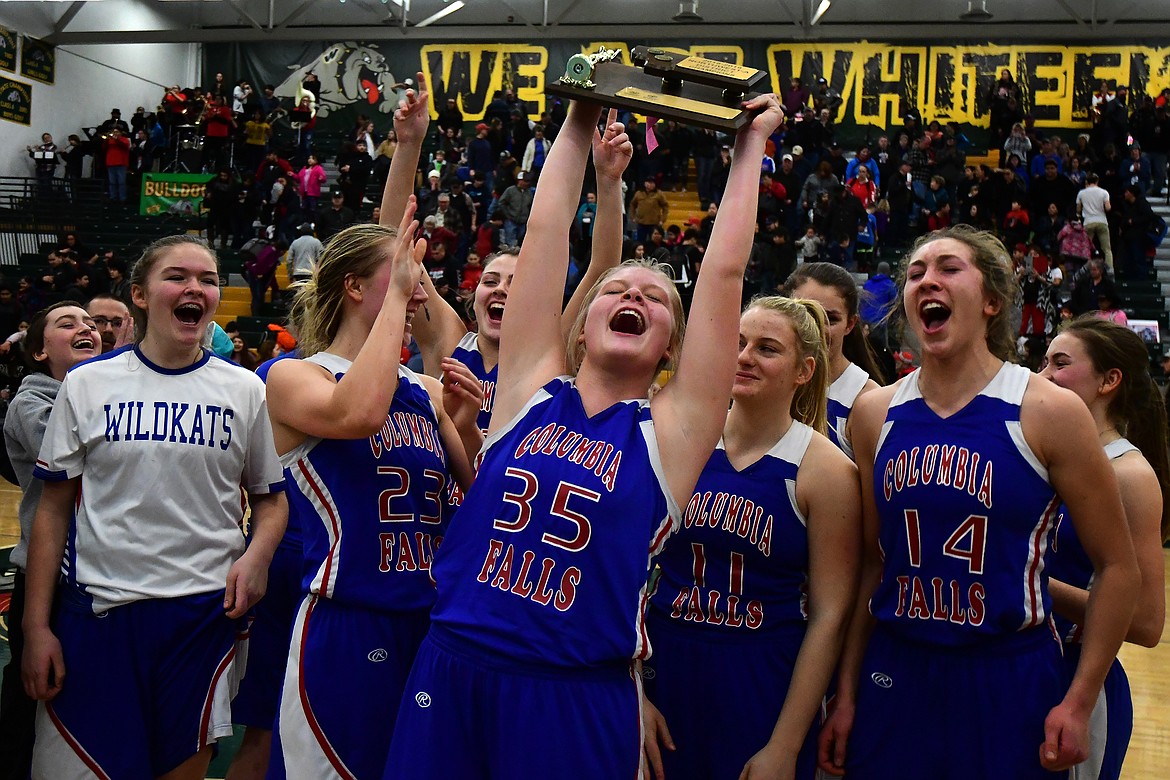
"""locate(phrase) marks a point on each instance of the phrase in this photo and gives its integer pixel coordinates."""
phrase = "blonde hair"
(809, 323)
(319, 304)
(575, 348)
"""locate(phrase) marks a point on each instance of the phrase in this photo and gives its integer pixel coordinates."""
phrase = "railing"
(34, 214)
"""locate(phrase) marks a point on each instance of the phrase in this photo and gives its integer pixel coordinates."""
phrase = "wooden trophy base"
(692, 103)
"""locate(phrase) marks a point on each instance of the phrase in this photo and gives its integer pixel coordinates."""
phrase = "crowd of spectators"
(1057, 202)
(95, 278)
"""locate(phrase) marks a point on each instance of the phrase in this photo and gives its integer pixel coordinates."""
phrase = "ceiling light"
(824, 6)
(688, 12)
(455, 6)
(973, 14)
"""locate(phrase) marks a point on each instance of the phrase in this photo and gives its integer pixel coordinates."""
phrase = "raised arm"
(531, 348)
(411, 122)
(461, 438)
(690, 411)
(437, 329)
(611, 155)
(304, 400)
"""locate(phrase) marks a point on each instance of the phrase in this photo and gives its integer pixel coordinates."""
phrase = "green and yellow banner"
(15, 101)
(7, 50)
(38, 60)
(173, 193)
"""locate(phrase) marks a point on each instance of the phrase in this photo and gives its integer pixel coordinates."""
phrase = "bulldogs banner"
(877, 81)
(173, 193)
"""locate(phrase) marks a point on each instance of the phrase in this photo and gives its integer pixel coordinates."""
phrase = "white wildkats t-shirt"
(162, 455)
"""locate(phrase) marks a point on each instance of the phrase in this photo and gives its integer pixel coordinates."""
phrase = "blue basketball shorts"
(1110, 725)
(472, 716)
(346, 670)
(929, 712)
(147, 685)
(721, 695)
(257, 702)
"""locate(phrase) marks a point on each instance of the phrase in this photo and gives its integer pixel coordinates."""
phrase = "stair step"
(235, 308)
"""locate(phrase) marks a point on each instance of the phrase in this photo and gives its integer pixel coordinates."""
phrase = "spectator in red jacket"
(116, 150)
(863, 187)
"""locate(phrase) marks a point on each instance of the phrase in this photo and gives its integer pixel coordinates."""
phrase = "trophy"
(691, 90)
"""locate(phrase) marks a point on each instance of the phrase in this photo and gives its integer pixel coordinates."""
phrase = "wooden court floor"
(1148, 670)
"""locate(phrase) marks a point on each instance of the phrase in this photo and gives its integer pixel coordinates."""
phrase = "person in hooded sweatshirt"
(59, 337)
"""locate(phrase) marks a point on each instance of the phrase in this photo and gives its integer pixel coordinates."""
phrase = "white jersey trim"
(906, 389)
(636, 674)
(790, 486)
(792, 445)
(216, 715)
(1009, 384)
(1090, 768)
(308, 754)
(646, 427)
(58, 754)
(339, 365)
(334, 364)
(666, 528)
(1115, 449)
(469, 342)
(849, 385)
(886, 426)
(1034, 612)
(845, 391)
(1016, 431)
(314, 489)
(791, 449)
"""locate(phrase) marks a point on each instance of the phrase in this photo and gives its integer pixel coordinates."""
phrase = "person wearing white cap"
(428, 195)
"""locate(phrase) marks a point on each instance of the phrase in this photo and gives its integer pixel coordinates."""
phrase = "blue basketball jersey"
(467, 352)
(1068, 561)
(740, 560)
(963, 554)
(292, 532)
(371, 510)
(547, 563)
(842, 394)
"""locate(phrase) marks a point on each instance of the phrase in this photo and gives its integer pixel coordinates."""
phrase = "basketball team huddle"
(767, 567)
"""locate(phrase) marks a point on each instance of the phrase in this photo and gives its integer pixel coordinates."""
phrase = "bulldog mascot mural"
(349, 73)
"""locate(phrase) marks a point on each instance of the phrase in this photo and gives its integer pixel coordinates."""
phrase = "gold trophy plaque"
(691, 90)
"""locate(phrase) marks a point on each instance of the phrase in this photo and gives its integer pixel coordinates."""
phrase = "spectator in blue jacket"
(1136, 170)
(879, 300)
